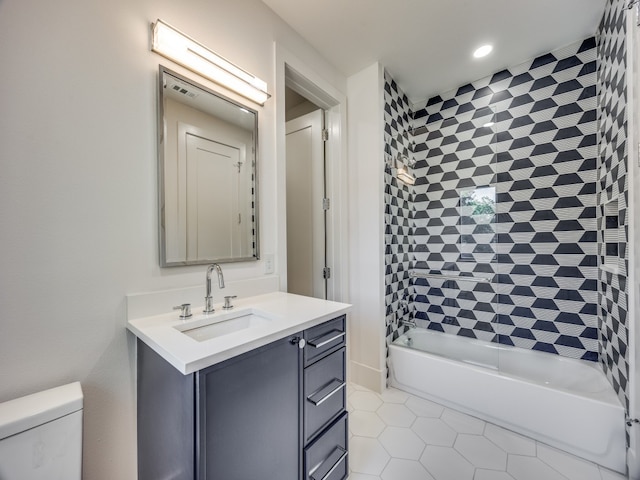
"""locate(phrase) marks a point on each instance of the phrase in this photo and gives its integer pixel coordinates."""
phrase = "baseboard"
(366, 376)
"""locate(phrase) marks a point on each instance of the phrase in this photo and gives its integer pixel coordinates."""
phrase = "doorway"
(307, 203)
(293, 72)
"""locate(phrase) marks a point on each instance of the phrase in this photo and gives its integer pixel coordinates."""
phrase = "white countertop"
(287, 314)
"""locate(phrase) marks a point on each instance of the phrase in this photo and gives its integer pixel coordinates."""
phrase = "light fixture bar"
(175, 45)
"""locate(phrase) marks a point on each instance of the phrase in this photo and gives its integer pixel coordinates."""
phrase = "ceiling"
(427, 45)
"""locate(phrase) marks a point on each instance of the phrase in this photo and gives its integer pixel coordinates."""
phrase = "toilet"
(41, 435)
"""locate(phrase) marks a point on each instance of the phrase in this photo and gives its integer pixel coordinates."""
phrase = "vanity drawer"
(324, 392)
(326, 457)
(323, 339)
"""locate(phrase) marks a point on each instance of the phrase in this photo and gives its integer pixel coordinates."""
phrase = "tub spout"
(408, 323)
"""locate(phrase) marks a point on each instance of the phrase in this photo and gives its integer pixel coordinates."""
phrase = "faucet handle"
(185, 310)
(227, 302)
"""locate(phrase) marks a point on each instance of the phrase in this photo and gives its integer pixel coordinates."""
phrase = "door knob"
(301, 342)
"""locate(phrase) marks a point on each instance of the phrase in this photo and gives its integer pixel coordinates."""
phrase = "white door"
(305, 213)
(213, 177)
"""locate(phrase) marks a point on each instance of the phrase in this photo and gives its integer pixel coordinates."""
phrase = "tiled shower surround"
(507, 192)
(613, 199)
(397, 213)
(532, 132)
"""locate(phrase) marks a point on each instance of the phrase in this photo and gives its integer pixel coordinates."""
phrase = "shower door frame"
(633, 283)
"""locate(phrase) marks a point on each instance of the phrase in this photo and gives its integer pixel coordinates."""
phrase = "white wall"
(78, 227)
(366, 227)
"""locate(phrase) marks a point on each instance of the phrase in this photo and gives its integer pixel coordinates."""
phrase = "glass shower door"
(456, 232)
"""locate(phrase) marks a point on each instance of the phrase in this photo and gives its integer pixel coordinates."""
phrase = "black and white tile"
(550, 137)
(529, 132)
(397, 205)
(613, 190)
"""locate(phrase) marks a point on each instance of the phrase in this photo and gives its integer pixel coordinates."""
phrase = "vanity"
(254, 392)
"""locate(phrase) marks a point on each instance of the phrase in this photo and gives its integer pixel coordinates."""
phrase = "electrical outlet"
(268, 264)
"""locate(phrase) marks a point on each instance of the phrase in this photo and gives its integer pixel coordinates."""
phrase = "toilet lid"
(32, 410)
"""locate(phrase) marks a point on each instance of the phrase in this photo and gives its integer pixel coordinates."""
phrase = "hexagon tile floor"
(398, 436)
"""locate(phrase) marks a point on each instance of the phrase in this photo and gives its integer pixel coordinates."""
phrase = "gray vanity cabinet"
(274, 413)
(325, 429)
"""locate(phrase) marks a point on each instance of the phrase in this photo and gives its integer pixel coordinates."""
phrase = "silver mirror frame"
(162, 70)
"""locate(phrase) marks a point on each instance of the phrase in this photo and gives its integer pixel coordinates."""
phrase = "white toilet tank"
(41, 435)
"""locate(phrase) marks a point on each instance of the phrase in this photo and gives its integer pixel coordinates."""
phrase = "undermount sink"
(209, 328)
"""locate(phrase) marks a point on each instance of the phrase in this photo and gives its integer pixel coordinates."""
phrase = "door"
(249, 415)
(214, 178)
(306, 233)
(211, 180)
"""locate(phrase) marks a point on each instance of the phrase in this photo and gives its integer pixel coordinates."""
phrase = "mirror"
(207, 148)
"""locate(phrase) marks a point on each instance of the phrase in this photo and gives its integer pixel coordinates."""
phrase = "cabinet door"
(166, 419)
(249, 416)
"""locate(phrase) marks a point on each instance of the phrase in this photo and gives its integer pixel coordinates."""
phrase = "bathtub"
(562, 402)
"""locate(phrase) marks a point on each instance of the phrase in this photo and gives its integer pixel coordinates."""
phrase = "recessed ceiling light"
(483, 51)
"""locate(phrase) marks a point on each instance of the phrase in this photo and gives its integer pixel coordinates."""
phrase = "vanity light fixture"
(483, 51)
(176, 46)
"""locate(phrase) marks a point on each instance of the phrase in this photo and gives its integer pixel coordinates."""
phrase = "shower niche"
(611, 240)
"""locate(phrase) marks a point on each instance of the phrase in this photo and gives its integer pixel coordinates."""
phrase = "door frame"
(633, 209)
(294, 73)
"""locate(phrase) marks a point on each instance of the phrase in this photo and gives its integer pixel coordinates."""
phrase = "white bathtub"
(562, 402)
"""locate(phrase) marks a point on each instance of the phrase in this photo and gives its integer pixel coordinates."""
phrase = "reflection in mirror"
(207, 175)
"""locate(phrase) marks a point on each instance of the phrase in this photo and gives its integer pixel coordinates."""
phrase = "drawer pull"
(319, 396)
(325, 339)
(334, 459)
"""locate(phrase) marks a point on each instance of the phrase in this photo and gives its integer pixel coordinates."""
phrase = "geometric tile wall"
(397, 210)
(506, 191)
(613, 197)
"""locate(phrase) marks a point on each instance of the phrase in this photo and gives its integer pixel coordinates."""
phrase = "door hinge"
(325, 134)
(326, 273)
(326, 204)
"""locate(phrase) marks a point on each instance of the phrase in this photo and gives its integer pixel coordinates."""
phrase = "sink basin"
(223, 326)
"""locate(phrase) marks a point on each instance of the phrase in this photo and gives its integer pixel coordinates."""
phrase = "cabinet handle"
(334, 459)
(323, 394)
(325, 339)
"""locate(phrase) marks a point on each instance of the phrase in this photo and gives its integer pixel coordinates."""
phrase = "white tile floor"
(398, 436)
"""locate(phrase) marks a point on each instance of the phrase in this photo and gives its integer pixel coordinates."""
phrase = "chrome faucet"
(408, 323)
(208, 300)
